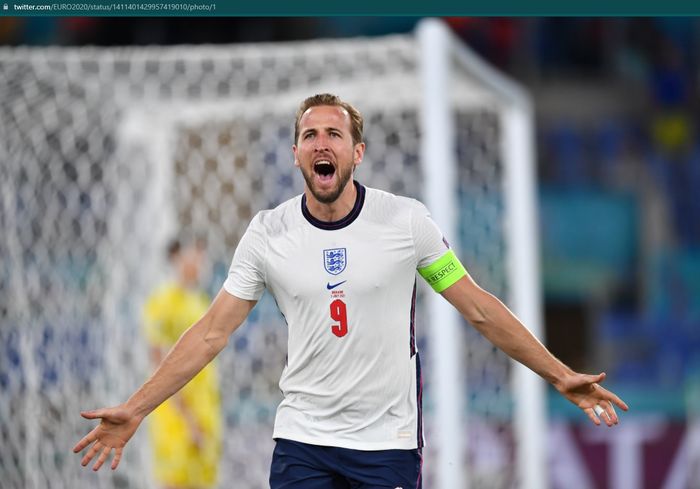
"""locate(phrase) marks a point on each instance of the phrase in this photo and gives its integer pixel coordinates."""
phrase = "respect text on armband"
(442, 273)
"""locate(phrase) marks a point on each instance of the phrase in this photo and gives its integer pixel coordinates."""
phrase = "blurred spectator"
(185, 430)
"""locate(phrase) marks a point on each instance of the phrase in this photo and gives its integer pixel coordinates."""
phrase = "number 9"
(339, 313)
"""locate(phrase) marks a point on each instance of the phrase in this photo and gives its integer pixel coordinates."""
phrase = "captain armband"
(443, 272)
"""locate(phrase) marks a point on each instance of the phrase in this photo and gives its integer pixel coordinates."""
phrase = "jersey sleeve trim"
(443, 272)
(231, 288)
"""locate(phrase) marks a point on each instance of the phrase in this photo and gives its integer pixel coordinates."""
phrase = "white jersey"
(347, 290)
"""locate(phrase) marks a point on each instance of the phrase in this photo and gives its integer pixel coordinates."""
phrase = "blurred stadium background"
(618, 163)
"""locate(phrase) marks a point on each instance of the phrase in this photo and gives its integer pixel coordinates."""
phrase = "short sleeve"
(427, 237)
(246, 276)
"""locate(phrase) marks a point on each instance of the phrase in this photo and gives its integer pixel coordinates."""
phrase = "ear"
(358, 153)
(296, 160)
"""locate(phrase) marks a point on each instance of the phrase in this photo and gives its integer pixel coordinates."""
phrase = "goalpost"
(111, 151)
(443, 55)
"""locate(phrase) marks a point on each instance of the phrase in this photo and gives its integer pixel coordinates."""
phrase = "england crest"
(334, 260)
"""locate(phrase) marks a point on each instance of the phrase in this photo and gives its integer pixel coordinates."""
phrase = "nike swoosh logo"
(331, 287)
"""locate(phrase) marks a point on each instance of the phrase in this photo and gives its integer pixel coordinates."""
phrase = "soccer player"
(185, 430)
(341, 260)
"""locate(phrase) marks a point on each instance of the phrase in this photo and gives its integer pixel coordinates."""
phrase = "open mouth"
(324, 169)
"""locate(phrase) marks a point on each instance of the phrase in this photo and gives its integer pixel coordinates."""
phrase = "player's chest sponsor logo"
(335, 260)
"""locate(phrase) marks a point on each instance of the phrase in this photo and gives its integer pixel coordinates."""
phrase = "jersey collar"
(345, 221)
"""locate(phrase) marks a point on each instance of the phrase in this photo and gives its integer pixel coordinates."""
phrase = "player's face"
(189, 265)
(325, 152)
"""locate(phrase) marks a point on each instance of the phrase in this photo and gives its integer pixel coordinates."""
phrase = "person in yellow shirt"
(185, 431)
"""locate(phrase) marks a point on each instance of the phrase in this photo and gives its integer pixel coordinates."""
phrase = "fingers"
(94, 414)
(606, 412)
(101, 460)
(608, 396)
(610, 412)
(604, 407)
(105, 451)
(602, 411)
(597, 378)
(87, 439)
(91, 453)
(117, 458)
(592, 416)
(87, 458)
(593, 380)
(617, 401)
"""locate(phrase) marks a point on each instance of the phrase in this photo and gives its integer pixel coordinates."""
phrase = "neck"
(188, 284)
(335, 210)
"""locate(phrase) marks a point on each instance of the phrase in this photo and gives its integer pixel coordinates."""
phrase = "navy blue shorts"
(298, 465)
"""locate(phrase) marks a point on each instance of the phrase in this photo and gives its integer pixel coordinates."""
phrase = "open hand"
(598, 403)
(117, 426)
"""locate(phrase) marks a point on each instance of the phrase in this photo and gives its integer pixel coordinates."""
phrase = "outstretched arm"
(503, 329)
(193, 351)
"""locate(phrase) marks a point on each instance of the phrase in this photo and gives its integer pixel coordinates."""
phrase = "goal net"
(111, 152)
